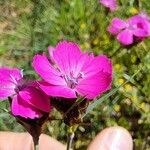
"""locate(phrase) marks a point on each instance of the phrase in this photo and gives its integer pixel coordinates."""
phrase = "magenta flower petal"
(125, 37)
(82, 62)
(6, 92)
(51, 51)
(36, 98)
(85, 61)
(136, 27)
(116, 26)
(97, 77)
(7, 74)
(7, 88)
(134, 20)
(98, 64)
(66, 56)
(43, 67)
(105, 64)
(111, 4)
(27, 100)
(8, 80)
(20, 108)
(76, 69)
(113, 30)
(140, 26)
(94, 85)
(140, 33)
(145, 16)
(118, 23)
(59, 91)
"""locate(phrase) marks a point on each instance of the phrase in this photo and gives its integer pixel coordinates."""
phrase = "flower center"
(140, 25)
(135, 26)
(131, 27)
(21, 85)
(71, 80)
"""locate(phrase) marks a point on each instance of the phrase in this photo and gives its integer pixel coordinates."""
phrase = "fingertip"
(46, 143)
(112, 138)
(15, 141)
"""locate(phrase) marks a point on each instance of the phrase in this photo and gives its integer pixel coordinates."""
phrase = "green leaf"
(4, 110)
(78, 9)
(2, 49)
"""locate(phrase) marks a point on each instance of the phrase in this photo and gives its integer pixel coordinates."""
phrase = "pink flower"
(27, 100)
(127, 32)
(73, 73)
(111, 4)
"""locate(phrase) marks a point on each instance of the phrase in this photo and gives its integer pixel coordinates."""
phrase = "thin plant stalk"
(71, 134)
(36, 142)
(70, 140)
(36, 146)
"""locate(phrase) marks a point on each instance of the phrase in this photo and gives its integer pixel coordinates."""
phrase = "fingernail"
(118, 139)
(113, 138)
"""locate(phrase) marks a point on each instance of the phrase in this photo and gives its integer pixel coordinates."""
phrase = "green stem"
(36, 147)
(36, 143)
(116, 51)
(71, 131)
(70, 140)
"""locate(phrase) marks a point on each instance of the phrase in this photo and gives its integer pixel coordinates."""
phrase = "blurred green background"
(29, 26)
